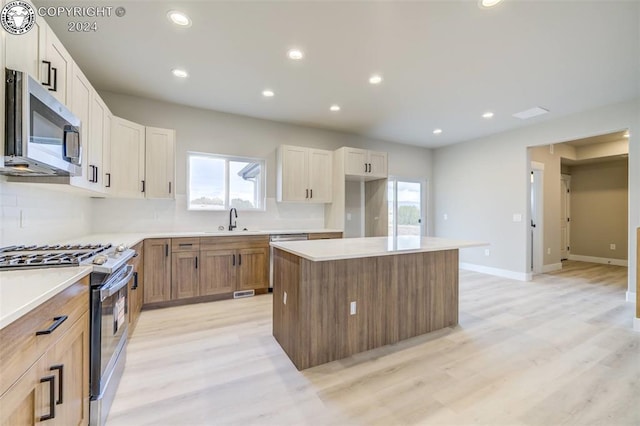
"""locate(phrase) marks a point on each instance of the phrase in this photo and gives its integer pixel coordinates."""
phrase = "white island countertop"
(21, 291)
(353, 248)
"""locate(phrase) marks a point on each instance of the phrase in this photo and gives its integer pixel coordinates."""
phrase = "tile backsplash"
(37, 214)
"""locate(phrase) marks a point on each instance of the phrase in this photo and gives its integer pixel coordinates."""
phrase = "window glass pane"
(206, 183)
(390, 208)
(244, 184)
(409, 208)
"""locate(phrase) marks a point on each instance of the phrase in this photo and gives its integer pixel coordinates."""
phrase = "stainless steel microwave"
(42, 137)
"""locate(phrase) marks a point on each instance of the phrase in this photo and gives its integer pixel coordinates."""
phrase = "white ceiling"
(444, 63)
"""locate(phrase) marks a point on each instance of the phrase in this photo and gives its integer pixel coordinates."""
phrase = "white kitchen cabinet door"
(80, 105)
(106, 150)
(293, 175)
(160, 158)
(56, 75)
(355, 161)
(320, 175)
(2, 65)
(127, 159)
(378, 164)
(361, 163)
(98, 137)
(23, 52)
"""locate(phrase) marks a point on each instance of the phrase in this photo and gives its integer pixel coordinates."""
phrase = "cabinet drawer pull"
(56, 324)
(185, 244)
(52, 402)
(60, 369)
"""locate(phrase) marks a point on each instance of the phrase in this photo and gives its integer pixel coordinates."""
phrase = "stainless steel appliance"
(108, 313)
(42, 137)
(280, 238)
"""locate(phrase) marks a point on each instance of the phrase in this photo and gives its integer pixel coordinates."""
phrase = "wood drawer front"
(185, 244)
(230, 243)
(21, 347)
(325, 235)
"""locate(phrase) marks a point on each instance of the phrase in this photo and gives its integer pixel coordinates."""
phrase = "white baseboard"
(636, 324)
(520, 276)
(552, 267)
(604, 260)
(631, 296)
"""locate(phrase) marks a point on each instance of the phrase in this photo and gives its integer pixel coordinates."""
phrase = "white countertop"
(352, 248)
(131, 239)
(22, 291)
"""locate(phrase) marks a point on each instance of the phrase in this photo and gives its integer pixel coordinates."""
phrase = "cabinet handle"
(142, 186)
(185, 244)
(306, 193)
(48, 82)
(90, 178)
(239, 259)
(52, 402)
(233, 262)
(135, 281)
(108, 185)
(56, 324)
(196, 262)
(55, 80)
(60, 368)
(166, 250)
(311, 192)
(96, 178)
(169, 187)
(369, 167)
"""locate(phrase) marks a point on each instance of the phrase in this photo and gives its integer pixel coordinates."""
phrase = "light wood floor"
(559, 350)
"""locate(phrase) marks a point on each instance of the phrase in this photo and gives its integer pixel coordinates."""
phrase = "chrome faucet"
(232, 224)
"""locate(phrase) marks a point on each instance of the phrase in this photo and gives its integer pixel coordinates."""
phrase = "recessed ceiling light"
(295, 54)
(487, 114)
(530, 113)
(179, 18)
(268, 93)
(375, 79)
(180, 73)
(437, 131)
(488, 3)
(334, 108)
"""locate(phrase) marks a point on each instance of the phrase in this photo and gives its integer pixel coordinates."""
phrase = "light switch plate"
(517, 217)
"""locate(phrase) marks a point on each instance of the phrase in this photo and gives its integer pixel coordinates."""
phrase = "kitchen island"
(335, 298)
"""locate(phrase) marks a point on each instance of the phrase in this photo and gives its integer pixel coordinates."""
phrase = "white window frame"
(261, 187)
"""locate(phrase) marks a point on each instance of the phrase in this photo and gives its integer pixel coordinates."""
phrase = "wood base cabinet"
(157, 267)
(136, 287)
(45, 378)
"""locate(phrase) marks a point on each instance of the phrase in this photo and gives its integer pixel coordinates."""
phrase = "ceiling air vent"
(530, 113)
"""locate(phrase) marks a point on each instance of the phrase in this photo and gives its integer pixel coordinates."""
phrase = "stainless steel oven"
(109, 322)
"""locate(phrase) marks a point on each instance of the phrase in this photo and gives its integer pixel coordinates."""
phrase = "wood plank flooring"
(559, 350)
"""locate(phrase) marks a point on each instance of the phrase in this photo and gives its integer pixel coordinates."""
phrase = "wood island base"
(328, 310)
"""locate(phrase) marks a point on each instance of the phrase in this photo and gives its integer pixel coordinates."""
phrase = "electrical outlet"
(23, 219)
(612, 246)
(352, 308)
(445, 216)
(487, 252)
(549, 250)
(284, 298)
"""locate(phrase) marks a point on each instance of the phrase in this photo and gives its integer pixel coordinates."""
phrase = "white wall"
(221, 133)
(480, 184)
(48, 215)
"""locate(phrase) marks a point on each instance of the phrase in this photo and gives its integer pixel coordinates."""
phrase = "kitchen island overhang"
(336, 298)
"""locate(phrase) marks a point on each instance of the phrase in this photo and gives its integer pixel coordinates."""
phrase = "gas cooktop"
(104, 256)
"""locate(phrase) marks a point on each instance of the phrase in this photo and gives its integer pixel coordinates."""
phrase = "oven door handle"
(113, 287)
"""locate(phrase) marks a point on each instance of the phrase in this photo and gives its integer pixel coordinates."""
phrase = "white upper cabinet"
(80, 105)
(366, 164)
(56, 67)
(304, 174)
(23, 52)
(160, 163)
(99, 131)
(127, 159)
